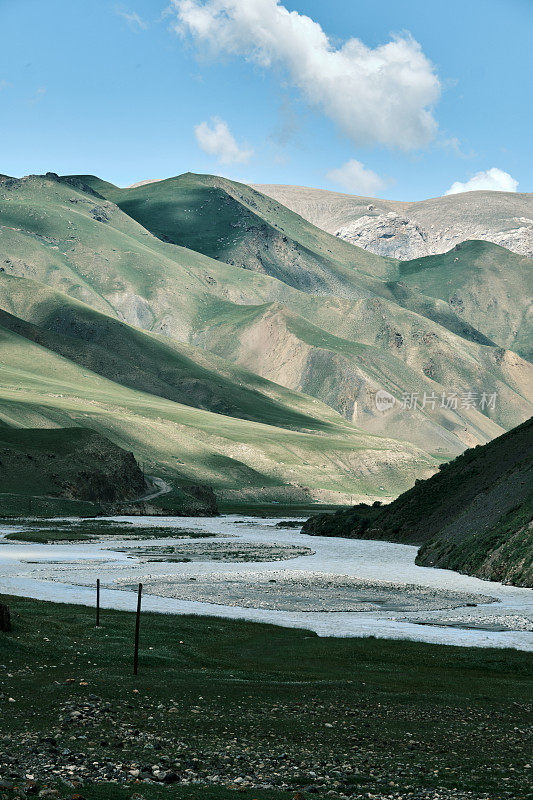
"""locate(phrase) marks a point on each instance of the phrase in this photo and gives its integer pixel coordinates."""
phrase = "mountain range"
(224, 339)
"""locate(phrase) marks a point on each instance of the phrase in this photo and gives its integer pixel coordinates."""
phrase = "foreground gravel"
(94, 742)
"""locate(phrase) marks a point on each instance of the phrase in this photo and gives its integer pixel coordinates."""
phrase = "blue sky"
(142, 89)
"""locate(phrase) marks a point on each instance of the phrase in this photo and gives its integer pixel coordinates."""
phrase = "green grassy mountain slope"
(150, 363)
(346, 374)
(186, 206)
(294, 353)
(87, 248)
(474, 515)
(484, 284)
(74, 471)
(231, 222)
(239, 458)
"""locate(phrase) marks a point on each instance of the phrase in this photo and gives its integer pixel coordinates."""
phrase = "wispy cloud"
(217, 140)
(381, 95)
(494, 179)
(38, 96)
(355, 178)
(134, 21)
(454, 146)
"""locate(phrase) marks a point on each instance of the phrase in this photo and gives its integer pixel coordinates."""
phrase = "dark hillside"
(73, 463)
(474, 515)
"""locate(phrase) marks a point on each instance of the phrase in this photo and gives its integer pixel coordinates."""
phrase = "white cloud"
(382, 95)
(135, 22)
(493, 179)
(217, 140)
(357, 179)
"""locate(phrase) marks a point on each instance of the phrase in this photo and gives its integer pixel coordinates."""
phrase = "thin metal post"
(137, 626)
(98, 602)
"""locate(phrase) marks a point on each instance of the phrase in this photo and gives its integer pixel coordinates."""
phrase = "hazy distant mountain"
(409, 230)
(143, 183)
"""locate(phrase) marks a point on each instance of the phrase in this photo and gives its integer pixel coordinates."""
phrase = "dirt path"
(163, 488)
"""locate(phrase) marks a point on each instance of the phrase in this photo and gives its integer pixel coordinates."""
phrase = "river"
(248, 568)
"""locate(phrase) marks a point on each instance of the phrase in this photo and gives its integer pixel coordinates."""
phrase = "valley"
(237, 567)
(266, 400)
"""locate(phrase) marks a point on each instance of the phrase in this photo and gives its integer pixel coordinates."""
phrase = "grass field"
(47, 537)
(280, 510)
(27, 505)
(52, 532)
(257, 706)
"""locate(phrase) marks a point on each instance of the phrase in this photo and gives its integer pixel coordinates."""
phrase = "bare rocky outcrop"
(401, 237)
(406, 230)
(390, 234)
